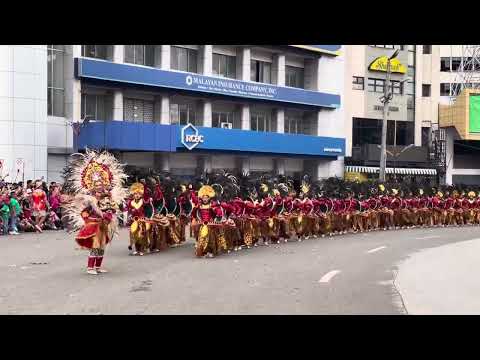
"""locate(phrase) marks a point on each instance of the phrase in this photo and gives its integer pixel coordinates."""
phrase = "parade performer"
(210, 237)
(140, 229)
(96, 180)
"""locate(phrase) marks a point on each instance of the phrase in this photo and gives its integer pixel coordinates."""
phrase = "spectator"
(5, 214)
(15, 212)
(26, 223)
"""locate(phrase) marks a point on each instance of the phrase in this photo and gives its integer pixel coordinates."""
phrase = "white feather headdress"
(87, 170)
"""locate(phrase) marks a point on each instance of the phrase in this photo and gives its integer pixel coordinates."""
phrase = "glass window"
(405, 132)
(138, 110)
(260, 71)
(223, 119)
(261, 122)
(358, 83)
(427, 49)
(445, 89)
(445, 64)
(456, 63)
(55, 80)
(224, 66)
(95, 51)
(294, 77)
(97, 107)
(183, 114)
(376, 85)
(295, 124)
(426, 136)
(410, 88)
(139, 54)
(366, 131)
(183, 59)
(426, 88)
(396, 87)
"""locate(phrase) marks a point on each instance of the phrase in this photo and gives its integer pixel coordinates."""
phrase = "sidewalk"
(442, 280)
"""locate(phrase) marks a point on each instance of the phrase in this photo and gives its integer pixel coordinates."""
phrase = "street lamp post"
(387, 96)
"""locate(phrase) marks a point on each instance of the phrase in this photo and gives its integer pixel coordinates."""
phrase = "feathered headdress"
(206, 190)
(137, 188)
(89, 173)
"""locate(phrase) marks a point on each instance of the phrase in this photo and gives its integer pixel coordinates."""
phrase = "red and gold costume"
(141, 229)
(97, 180)
(210, 239)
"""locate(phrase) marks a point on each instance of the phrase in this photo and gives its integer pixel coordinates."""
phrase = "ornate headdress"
(88, 174)
(137, 188)
(206, 190)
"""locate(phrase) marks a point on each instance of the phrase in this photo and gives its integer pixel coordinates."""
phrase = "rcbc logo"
(190, 137)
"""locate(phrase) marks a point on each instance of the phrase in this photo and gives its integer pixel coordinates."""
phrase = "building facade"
(178, 108)
(412, 115)
(457, 66)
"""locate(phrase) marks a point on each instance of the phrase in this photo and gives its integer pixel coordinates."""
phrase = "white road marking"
(376, 249)
(328, 276)
(428, 237)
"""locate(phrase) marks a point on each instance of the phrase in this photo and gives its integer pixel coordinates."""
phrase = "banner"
(474, 121)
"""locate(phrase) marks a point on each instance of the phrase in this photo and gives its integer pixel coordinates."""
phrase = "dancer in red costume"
(96, 179)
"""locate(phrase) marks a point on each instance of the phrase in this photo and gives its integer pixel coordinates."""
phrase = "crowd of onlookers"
(30, 207)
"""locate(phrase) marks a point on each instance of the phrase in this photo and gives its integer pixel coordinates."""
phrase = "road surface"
(348, 274)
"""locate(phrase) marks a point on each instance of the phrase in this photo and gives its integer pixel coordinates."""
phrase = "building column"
(449, 156)
(245, 116)
(118, 105)
(280, 120)
(278, 70)
(205, 163)
(165, 57)
(162, 109)
(244, 164)
(206, 106)
(205, 57)
(323, 169)
(76, 51)
(119, 53)
(243, 61)
(280, 166)
(162, 161)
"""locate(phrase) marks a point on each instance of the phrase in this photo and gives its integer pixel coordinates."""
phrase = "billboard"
(474, 121)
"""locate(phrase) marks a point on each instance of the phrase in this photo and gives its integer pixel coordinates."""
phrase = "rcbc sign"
(190, 137)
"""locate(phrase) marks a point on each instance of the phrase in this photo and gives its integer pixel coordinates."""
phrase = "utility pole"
(387, 96)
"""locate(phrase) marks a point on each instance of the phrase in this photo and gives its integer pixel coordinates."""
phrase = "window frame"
(299, 73)
(190, 54)
(259, 70)
(425, 87)
(143, 101)
(427, 49)
(95, 117)
(356, 81)
(57, 50)
(228, 64)
(144, 51)
(96, 51)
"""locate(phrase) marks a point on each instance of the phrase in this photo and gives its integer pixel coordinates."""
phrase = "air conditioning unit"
(225, 125)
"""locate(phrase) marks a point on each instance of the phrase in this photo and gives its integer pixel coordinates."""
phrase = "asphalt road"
(348, 274)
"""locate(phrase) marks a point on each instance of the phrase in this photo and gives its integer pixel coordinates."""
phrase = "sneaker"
(101, 271)
(92, 272)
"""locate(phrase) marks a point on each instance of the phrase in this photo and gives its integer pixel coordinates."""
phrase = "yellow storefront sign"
(380, 64)
(355, 176)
